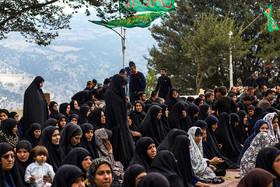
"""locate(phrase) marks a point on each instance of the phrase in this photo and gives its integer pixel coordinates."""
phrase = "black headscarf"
(55, 153)
(140, 156)
(30, 134)
(131, 173)
(90, 146)
(225, 136)
(35, 106)
(175, 118)
(169, 139)
(170, 100)
(266, 158)
(66, 175)
(6, 132)
(164, 118)
(165, 164)
(258, 114)
(50, 122)
(94, 118)
(197, 101)
(154, 179)
(151, 126)
(234, 118)
(53, 112)
(84, 109)
(76, 156)
(137, 117)
(72, 108)
(62, 110)
(21, 166)
(116, 117)
(90, 103)
(69, 131)
(243, 135)
(191, 111)
(182, 155)
(203, 111)
(5, 176)
(59, 118)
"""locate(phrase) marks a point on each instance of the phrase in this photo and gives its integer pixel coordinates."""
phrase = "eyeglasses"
(7, 156)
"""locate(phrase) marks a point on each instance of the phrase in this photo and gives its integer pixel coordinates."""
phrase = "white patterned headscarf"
(199, 164)
(269, 118)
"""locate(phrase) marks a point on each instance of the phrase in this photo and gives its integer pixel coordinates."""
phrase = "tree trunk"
(198, 80)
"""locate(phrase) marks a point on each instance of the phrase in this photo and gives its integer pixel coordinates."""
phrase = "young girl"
(39, 173)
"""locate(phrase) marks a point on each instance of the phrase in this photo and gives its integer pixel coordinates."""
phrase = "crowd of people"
(112, 135)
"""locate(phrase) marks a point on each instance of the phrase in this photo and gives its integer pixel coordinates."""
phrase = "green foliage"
(151, 82)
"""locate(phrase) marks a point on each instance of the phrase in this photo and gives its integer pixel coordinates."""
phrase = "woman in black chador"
(35, 106)
(178, 117)
(116, 117)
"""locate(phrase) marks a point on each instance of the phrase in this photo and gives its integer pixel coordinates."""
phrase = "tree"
(151, 82)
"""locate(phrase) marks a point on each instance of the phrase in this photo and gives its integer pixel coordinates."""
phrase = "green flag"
(147, 5)
(272, 25)
(141, 20)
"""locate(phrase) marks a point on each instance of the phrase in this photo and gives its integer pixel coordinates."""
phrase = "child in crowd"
(39, 173)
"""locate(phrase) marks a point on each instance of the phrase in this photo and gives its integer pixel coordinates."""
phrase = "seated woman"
(33, 134)
(68, 176)
(145, 152)
(88, 141)
(199, 164)
(133, 175)
(138, 113)
(268, 159)
(169, 139)
(165, 164)
(272, 120)
(154, 179)
(105, 151)
(178, 117)
(97, 119)
(136, 135)
(8, 131)
(248, 160)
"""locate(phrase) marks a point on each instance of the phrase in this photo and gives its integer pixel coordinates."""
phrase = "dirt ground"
(230, 180)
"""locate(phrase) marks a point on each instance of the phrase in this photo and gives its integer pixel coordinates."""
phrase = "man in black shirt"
(137, 83)
(164, 84)
(224, 103)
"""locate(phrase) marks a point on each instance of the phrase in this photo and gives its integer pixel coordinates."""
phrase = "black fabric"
(182, 155)
(131, 174)
(197, 101)
(140, 156)
(5, 175)
(6, 130)
(53, 112)
(225, 104)
(234, 118)
(90, 103)
(243, 134)
(90, 146)
(164, 118)
(258, 113)
(175, 118)
(265, 160)
(56, 155)
(116, 117)
(151, 126)
(191, 111)
(66, 175)
(84, 109)
(200, 123)
(59, 118)
(169, 139)
(62, 110)
(21, 166)
(154, 179)
(50, 122)
(94, 118)
(203, 111)
(211, 148)
(165, 164)
(72, 108)
(69, 131)
(83, 96)
(163, 86)
(171, 101)
(30, 134)
(137, 117)
(75, 157)
(225, 136)
(35, 106)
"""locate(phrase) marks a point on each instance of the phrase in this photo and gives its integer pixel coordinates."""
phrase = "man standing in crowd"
(251, 80)
(164, 84)
(137, 83)
(265, 103)
(261, 79)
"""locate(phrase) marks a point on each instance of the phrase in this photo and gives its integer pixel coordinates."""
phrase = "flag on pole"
(141, 20)
(272, 25)
(148, 5)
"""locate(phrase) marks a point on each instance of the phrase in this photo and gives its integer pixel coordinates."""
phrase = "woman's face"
(214, 127)
(138, 107)
(76, 106)
(197, 139)
(55, 107)
(236, 124)
(139, 177)
(103, 118)
(166, 112)
(184, 114)
(68, 109)
(75, 140)
(74, 120)
(86, 163)
(79, 182)
(200, 103)
(209, 111)
(88, 112)
(159, 114)
(37, 133)
(276, 164)
(89, 135)
(103, 176)
(129, 121)
(175, 94)
(264, 128)
(245, 119)
(23, 155)
(275, 124)
(14, 130)
(62, 122)
(55, 137)
(92, 107)
(152, 151)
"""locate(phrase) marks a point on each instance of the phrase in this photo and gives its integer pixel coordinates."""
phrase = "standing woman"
(35, 106)
(116, 114)
(8, 131)
(33, 134)
(272, 120)
(50, 139)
